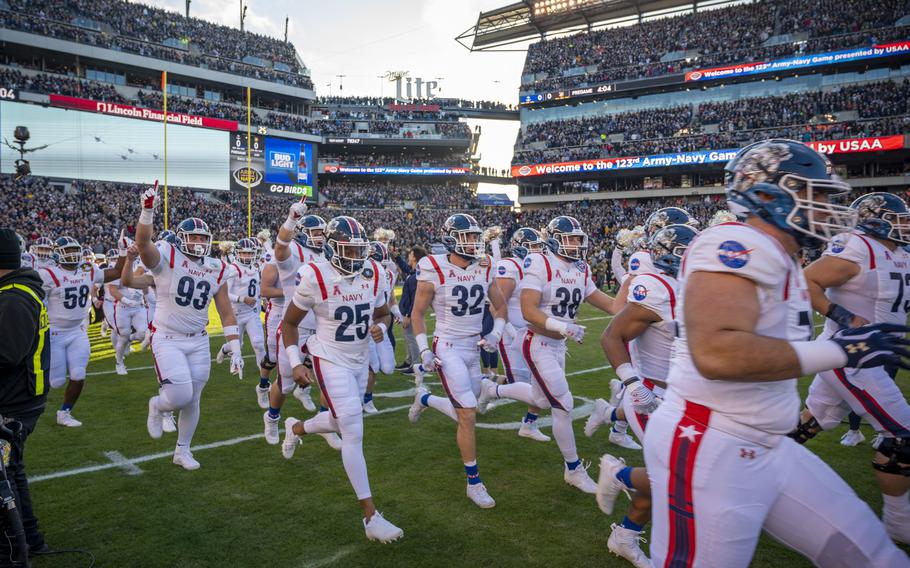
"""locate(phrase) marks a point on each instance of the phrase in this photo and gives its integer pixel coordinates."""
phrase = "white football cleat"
(608, 485)
(623, 542)
(478, 494)
(370, 408)
(303, 395)
(219, 357)
(121, 368)
(380, 529)
(262, 397)
(153, 422)
(417, 407)
(332, 439)
(599, 417)
(852, 438)
(184, 458)
(579, 478)
(271, 428)
(624, 440)
(530, 430)
(487, 395)
(290, 438)
(65, 418)
(168, 424)
(615, 391)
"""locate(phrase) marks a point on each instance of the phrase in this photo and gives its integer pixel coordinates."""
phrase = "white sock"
(518, 391)
(189, 417)
(620, 426)
(322, 423)
(443, 405)
(565, 437)
(897, 505)
(355, 465)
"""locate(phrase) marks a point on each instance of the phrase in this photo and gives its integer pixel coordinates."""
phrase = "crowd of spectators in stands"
(378, 194)
(874, 109)
(415, 158)
(710, 37)
(152, 32)
(445, 103)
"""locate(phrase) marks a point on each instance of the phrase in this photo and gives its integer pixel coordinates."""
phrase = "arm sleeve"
(535, 272)
(849, 247)
(740, 250)
(616, 264)
(426, 272)
(590, 286)
(306, 295)
(15, 313)
(164, 255)
(506, 268)
(650, 293)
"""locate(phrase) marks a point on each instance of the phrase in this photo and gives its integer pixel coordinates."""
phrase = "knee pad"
(267, 364)
(806, 431)
(351, 428)
(897, 450)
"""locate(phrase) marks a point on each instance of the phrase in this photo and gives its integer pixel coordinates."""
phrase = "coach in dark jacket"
(24, 357)
(407, 302)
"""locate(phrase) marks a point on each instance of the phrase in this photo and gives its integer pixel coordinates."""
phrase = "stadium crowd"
(642, 50)
(152, 32)
(880, 108)
(414, 158)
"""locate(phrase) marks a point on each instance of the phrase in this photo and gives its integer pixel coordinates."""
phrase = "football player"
(456, 285)
(68, 289)
(243, 290)
(346, 293)
(860, 279)
(721, 466)
(647, 320)
(130, 317)
(300, 242)
(187, 280)
(382, 354)
(509, 274)
(552, 290)
(43, 252)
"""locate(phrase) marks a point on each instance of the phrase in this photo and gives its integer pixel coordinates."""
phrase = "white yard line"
(330, 560)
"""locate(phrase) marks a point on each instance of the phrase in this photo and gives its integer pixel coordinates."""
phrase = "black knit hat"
(10, 252)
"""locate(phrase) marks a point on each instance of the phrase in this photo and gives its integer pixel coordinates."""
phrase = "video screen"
(85, 145)
(274, 165)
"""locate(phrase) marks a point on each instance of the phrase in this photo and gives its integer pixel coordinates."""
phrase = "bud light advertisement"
(289, 167)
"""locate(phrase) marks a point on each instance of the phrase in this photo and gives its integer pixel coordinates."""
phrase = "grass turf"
(247, 506)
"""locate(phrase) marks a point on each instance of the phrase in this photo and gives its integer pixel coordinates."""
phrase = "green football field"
(108, 488)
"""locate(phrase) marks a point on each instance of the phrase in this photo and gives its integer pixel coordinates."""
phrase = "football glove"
(237, 364)
(643, 399)
(874, 345)
(575, 332)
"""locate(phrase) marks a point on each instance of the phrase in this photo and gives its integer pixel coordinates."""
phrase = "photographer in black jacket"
(24, 357)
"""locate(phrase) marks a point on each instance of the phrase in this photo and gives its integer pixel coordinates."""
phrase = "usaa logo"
(501, 270)
(634, 264)
(639, 293)
(733, 254)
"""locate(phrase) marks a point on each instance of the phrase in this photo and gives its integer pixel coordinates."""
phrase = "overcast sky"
(363, 39)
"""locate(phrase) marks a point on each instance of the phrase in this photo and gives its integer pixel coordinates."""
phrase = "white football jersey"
(511, 269)
(288, 279)
(640, 262)
(459, 294)
(786, 313)
(343, 310)
(881, 291)
(243, 282)
(68, 294)
(654, 347)
(134, 294)
(392, 270)
(563, 285)
(185, 289)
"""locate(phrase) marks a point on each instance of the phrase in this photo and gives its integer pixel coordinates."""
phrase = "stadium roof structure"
(498, 29)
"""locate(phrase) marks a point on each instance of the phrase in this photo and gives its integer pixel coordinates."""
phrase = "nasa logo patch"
(502, 271)
(580, 265)
(837, 246)
(528, 262)
(367, 272)
(733, 254)
(639, 293)
(418, 270)
(634, 264)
